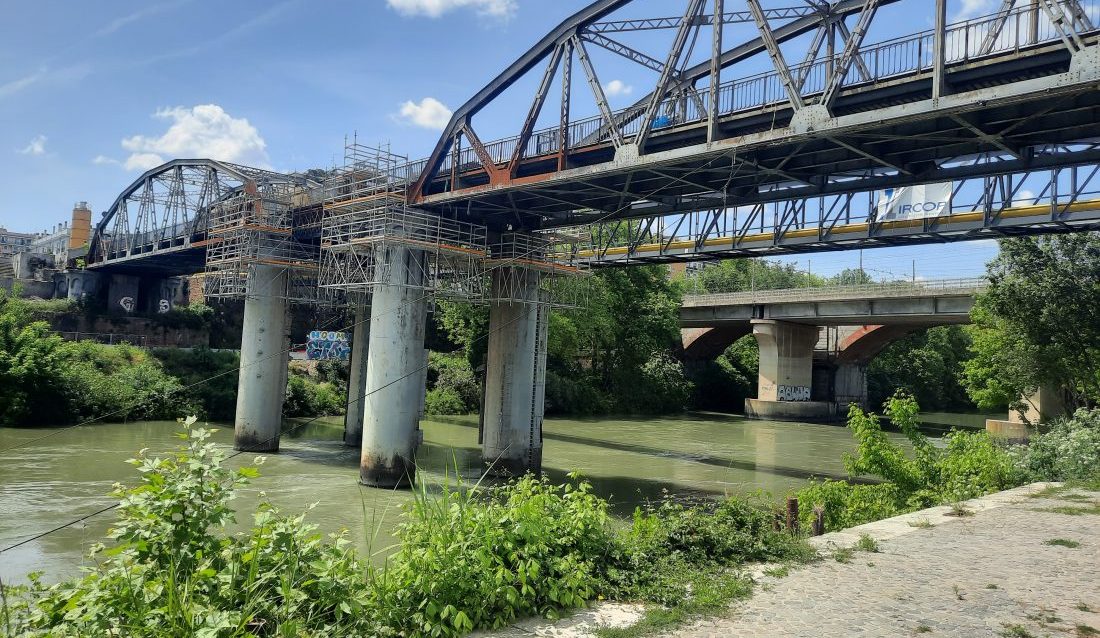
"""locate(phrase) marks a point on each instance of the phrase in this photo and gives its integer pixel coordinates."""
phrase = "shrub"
(470, 560)
(970, 464)
(847, 504)
(172, 572)
(308, 398)
(658, 387)
(1070, 450)
(440, 401)
(209, 376)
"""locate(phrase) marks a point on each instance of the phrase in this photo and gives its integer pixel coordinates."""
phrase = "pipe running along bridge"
(765, 130)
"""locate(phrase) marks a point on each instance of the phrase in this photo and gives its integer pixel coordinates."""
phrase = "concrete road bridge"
(763, 130)
(816, 343)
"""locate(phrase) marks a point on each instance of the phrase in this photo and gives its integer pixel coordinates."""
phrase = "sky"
(92, 94)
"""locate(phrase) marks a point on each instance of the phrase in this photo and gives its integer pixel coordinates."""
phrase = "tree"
(736, 275)
(1036, 324)
(928, 365)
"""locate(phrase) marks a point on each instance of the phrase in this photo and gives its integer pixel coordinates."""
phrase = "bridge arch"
(166, 209)
(705, 344)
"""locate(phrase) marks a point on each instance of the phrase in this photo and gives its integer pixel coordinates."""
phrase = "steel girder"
(867, 109)
(165, 211)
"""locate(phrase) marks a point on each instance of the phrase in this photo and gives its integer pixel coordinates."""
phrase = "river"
(57, 475)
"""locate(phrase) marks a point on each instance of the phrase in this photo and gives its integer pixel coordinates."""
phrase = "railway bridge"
(764, 130)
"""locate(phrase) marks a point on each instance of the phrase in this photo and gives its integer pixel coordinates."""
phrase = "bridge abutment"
(785, 378)
(515, 375)
(357, 377)
(395, 372)
(264, 360)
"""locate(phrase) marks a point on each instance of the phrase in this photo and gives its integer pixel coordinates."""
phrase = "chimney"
(81, 226)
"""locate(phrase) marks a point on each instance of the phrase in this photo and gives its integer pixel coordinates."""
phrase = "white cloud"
(17, 85)
(145, 12)
(203, 131)
(615, 88)
(974, 8)
(99, 160)
(429, 113)
(37, 146)
(501, 9)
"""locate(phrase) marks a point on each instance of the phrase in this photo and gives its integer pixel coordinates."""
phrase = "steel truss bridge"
(764, 130)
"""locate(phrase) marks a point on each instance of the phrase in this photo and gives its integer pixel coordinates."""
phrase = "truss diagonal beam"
(851, 46)
(648, 24)
(536, 108)
(772, 46)
(597, 92)
(674, 54)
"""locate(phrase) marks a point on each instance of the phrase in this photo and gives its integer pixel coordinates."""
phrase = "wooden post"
(792, 515)
(819, 520)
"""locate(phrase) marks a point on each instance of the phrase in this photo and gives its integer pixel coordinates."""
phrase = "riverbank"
(1023, 563)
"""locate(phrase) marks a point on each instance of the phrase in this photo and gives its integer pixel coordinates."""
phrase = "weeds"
(1063, 542)
(1081, 606)
(1086, 630)
(1015, 631)
(960, 510)
(778, 572)
(992, 586)
(958, 592)
(922, 523)
(923, 629)
(1073, 510)
(843, 554)
(867, 544)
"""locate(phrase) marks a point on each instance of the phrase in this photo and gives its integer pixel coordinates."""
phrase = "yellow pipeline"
(1018, 211)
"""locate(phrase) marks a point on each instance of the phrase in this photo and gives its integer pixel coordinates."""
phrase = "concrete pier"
(850, 385)
(357, 377)
(786, 372)
(395, 372)
(264, 358)
(515, 377)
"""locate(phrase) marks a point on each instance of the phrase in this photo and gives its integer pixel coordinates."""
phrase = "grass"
(1086, 630)
(1080, 606)
(1073, 510)
(1044, 617)
(923, 629)
(1063, 542)
(922, 523)
(710, 594)
(960, 510)
(843, 554)
(1049, 491)
(1016, 631)
(778, 572)
(867, 544)
(992, 586)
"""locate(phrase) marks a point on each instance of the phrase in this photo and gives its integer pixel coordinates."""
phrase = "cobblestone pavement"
(992, 573)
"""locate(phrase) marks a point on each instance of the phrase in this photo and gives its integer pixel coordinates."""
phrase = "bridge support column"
(122, 293)
(357, 377)
(395, 372)
(850, 385)
(264, 359)
(515, 376)
(1044, 404)
(786, 373)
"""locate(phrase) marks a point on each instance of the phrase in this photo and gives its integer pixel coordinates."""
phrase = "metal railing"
(878, 290)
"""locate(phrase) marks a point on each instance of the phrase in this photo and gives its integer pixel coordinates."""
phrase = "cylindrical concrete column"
(262, 384)
(395, 380)
(357, 377)
(515, 375)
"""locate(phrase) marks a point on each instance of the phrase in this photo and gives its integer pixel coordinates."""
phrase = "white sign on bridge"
(914, 202)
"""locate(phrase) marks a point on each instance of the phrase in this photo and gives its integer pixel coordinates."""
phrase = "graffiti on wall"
(328, 345)
(794, 393)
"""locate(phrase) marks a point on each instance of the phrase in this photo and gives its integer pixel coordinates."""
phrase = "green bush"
(442, 401)
(466, 562)
(209, 376)
(1070, 450)
(173, 572)
(658, 387)
(970, 464)
(453, 387)
(671, 540)
(574, 395)
(847, 504)
(306, 397)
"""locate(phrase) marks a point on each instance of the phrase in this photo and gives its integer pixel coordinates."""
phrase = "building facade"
(12, 242)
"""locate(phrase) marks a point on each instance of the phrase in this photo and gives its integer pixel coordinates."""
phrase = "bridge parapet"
(881, 290)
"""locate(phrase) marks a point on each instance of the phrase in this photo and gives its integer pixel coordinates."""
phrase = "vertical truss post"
(715, 72)
(780, 64)
(536, 108)
(566, 97)
(671, 64)
(938, 50)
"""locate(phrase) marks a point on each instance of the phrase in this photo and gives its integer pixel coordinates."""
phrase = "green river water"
(66, 475)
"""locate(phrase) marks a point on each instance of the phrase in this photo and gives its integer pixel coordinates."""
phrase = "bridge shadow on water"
(635, 448)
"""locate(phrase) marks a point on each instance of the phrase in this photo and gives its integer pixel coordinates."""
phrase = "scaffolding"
(516, 258)
(251, 227)
(366, 219)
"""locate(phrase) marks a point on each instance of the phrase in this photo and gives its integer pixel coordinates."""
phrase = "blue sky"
(91, 94)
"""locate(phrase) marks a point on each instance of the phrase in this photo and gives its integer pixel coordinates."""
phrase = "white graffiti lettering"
(127, 304)
(794, 393)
